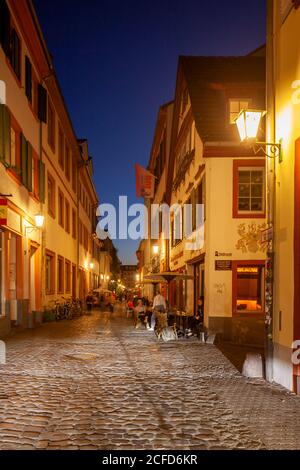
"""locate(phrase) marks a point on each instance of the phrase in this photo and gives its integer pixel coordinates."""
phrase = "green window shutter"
(42, 181)
(24, 172)
(5, 135)
(29, 167)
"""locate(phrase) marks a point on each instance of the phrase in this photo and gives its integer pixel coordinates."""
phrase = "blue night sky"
(116, 62)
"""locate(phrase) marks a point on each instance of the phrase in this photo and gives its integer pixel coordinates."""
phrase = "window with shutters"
(26, 163)
(15, 54)
(15, 148)
(67, 217)
(51, 195)
(51, 126)
(60, 275)
(5, 27)
(5, 135)
(60, 208)
(28, 79)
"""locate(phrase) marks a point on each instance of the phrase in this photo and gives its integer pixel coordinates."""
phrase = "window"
(51, 126)
(50, 272)
(236, 106)
(67, 217)
(28, 79)
(248, 287)
(68, 276)
(15, 53)
(74, 220)
(74, 175)
(15, 147)
(61, 148)
(60, 208)
(249, 189)
(60, 275)
(51, 196)
(67, 162)
(35, 174)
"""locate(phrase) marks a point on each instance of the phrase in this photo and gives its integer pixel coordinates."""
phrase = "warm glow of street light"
(39, 220)
(155, 249)
(91, 265)
(137, 277)
(248, 122)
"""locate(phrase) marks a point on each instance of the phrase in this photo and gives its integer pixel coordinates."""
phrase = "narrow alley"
(97, 383)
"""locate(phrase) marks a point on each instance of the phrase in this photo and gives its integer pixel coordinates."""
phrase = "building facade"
(42, 170)
(283, 125)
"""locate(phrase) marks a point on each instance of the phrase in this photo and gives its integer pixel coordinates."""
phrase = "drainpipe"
(271, 185)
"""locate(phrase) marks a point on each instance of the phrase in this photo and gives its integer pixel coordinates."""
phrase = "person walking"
(89, 301)
(159, 305)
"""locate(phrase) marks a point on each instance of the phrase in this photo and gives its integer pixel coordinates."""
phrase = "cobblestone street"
(96, 383)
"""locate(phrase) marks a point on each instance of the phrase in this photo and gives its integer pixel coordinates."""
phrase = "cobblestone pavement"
(96, 383)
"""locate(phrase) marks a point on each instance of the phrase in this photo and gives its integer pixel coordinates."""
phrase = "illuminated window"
(235, 106)
(250, 289)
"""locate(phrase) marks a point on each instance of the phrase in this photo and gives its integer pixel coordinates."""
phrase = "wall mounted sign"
(3, 211)
(219, 253)
(223, 265)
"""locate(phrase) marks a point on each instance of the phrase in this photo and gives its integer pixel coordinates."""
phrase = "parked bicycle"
(67, 309)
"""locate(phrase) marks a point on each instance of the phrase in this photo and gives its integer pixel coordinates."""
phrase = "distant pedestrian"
(89, 301)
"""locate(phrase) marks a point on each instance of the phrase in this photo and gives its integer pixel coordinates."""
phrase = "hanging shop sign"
(223, 265)
(3, 211)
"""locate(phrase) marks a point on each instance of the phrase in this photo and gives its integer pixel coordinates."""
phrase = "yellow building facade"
(283, 125)
(42, 169)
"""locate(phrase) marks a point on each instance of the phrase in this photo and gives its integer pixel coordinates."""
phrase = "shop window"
(60, 275)
(236, 106)
(249, 189)
(51, 196)
(51, 126)
(68, 276)
(249, 288)
(50, 272)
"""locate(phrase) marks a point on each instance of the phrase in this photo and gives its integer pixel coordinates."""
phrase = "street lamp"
(155, 249)
(91, 265)
(138, 277)
(39, 223)
(248, 124)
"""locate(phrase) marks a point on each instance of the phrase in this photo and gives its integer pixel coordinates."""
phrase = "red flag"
(145, 182)
(3, 211)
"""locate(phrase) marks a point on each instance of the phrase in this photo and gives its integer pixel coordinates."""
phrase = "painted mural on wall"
(251, 240)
